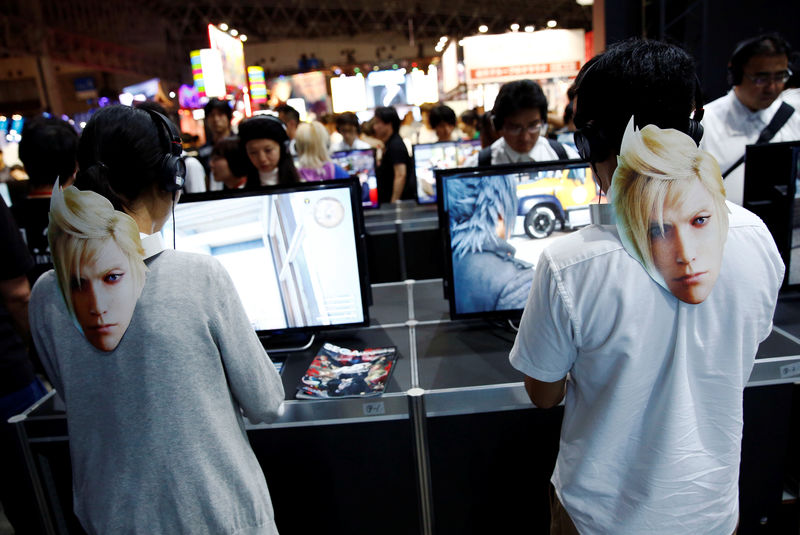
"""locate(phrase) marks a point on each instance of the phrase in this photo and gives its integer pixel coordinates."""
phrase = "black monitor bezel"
(763, 207)
(442, 175)
(377, 204)
(352, 184)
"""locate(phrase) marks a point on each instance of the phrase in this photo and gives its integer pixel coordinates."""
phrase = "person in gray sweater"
(155, 415)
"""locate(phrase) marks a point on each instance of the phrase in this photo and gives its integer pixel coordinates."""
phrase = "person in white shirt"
(758, 70)
(520, 117)
(652, 376)
(348, 126)
(791, 93)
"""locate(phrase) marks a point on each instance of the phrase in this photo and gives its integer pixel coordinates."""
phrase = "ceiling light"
(223, 27)
(243, 38)
(551, 23)
(584, 2)
(529, 28)
(514, 27)
(234, 32)
(483, 28)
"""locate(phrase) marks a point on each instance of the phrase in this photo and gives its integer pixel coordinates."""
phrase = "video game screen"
(293, 254)
(361, 163)
(443, 155)
(495, 223)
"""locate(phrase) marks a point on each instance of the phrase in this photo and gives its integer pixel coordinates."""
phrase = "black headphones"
(172, 169)
(593, 144)
(744, 51)
(737, 61)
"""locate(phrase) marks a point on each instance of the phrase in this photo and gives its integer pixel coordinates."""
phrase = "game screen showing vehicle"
(443, 155)
(361, 163)
(495, 223)
(293, 255)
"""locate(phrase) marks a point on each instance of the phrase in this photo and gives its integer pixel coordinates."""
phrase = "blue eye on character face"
(687, 248)
(114, 277)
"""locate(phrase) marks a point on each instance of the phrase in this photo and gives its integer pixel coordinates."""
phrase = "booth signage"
(543, 54)
(547, 70)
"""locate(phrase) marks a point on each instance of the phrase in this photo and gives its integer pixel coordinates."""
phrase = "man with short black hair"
(218, 117)
(394, 180)
(348, 126)
(290, 117)
(49, 151)
(442, 119)
(757, 72)
(652, 385)
(520, 116)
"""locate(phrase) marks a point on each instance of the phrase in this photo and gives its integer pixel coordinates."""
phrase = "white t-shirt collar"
(152, 244)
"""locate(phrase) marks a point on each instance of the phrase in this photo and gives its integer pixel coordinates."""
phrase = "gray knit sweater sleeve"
(157, 438)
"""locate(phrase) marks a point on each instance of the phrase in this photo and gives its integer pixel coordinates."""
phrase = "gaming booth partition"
(453, 438)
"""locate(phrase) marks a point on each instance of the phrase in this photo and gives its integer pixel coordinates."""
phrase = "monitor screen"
(444, 155)
(772, 192)
(361, 163)
(294, 253)
(495, 223)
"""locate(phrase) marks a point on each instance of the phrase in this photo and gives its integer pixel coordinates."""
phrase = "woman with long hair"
(314, 163)
(265, 141)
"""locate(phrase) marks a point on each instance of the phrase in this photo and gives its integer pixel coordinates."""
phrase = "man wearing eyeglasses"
(758, 70)
(520, 117)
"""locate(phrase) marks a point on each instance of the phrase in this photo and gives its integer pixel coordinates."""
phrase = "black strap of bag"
(561, 152)
(485, 156)
(778, 120)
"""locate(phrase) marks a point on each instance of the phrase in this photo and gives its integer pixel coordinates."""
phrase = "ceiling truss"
(154, 36)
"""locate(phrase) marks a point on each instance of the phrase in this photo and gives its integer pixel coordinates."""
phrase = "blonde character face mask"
(669, 202)
(99, 263)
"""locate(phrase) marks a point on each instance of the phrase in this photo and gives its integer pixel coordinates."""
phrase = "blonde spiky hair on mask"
(81, 223)
(656, 167)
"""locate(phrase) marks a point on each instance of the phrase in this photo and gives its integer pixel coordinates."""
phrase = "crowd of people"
(177, 385)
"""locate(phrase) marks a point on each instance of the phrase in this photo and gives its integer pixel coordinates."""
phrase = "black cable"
(174, 195)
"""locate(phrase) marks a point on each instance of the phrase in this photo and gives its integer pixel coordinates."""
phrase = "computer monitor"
(443, 155)
(361, 163)
(772, 192)
(496, 220)
(295, 254)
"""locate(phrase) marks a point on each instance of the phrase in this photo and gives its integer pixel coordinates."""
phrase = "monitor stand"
(287, 343)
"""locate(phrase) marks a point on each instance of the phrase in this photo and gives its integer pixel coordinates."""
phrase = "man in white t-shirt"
(651, 437)
(519, 116)
(758, 70)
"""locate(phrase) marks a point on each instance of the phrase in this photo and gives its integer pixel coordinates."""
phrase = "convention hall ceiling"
(276, 19)
(129, 22)
(137, 35)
